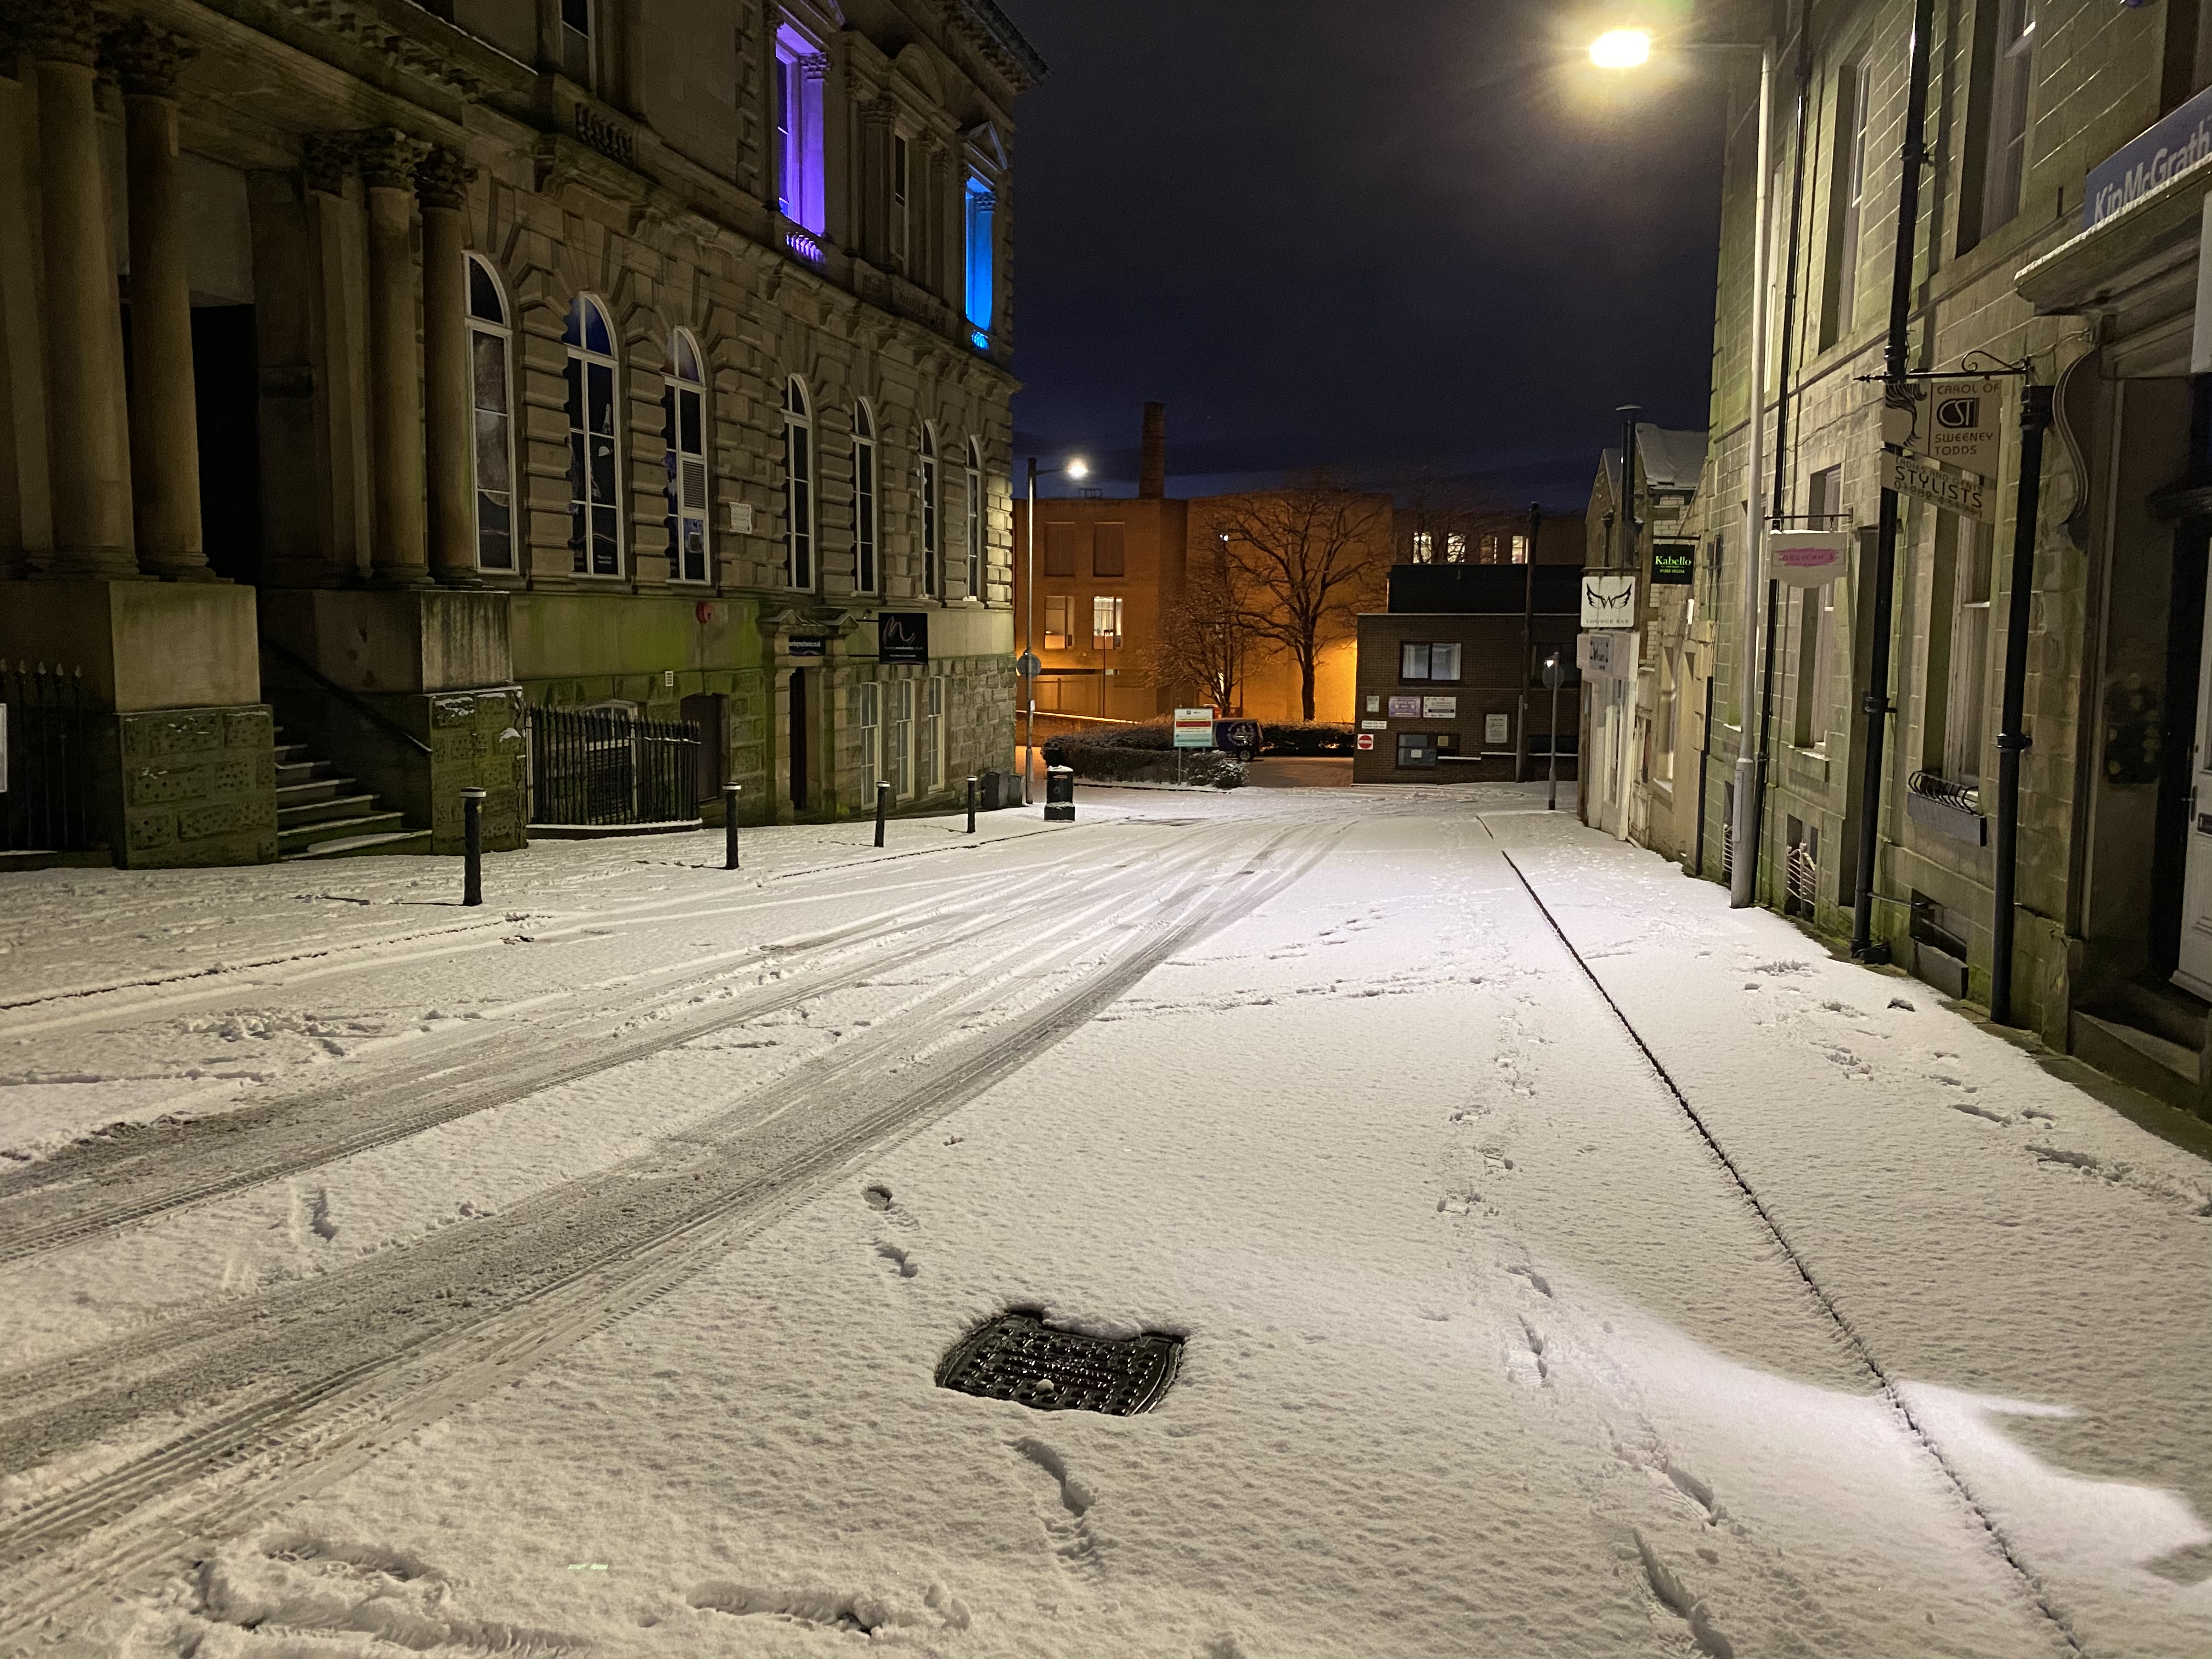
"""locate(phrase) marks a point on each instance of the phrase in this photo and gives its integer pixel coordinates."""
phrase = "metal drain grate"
(1017, 1356)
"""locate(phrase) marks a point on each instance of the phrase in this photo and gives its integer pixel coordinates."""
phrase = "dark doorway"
(2176, 754)
(797, 752)
(227, 392)
(705, 711)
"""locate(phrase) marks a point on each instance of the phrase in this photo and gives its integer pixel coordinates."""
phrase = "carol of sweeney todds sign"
(2174, 146)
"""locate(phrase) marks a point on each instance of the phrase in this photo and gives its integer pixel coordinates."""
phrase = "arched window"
(798, 485)
(684, 428)
(594, 471)
(974, 520)
(864, 498)
(929, 571)
(490, 334)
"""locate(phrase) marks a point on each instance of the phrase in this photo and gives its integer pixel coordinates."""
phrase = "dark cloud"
(1407, 234)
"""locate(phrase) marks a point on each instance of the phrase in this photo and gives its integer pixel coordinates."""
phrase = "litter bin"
(1060, 795)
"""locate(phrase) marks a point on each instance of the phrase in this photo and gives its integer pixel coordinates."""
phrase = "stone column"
(87, 420)
(449, 414)
(165, 449)
(397, 557)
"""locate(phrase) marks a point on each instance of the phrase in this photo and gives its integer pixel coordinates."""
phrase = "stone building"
(410, 376)
(2061, 231)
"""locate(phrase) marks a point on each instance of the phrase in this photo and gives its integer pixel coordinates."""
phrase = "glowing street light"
(1076, 467)
(1620, 49)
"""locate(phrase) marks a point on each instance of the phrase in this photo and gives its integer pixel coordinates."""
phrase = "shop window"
(800, 69)
(798, 486)
(974, 520)
(683, 429)
(490, 343)
(1108, 556)
(1418, 661)
(1058, 607)
(1106, 623)
(865, 514)
(594, 512)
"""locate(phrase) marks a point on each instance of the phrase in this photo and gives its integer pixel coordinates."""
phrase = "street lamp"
(1625, 49)
(1077, 468)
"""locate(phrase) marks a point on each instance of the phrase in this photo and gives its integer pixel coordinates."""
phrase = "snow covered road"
(573, 1278)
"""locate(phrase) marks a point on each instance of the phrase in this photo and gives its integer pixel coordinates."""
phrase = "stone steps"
(322, 814)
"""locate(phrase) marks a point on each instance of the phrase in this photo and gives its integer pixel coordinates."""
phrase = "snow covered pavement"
(1568, 1265)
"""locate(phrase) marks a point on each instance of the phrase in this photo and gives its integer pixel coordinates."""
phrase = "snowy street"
(1568, 1265)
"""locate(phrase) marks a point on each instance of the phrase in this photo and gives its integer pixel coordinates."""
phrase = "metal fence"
(47, 760)
(602, 766)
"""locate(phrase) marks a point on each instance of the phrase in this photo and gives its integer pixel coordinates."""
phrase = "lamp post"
(1077, 468)
(1625, 49)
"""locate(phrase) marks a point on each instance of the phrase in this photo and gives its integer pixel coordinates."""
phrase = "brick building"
(1451, 678)
(2060, 230)
(490, 357)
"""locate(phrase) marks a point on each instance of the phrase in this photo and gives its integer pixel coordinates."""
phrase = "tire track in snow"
(314, 1382)
(1858, 1345)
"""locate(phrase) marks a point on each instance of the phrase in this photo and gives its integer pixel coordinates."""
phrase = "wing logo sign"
(1609, 601)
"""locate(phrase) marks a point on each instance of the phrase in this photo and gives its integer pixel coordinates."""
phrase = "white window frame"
(867, 500)
(1106, 607)
(932, 734)
(800, 571)
(868, 722)
(900, 747)
(690, 478)
(502, 334)
(1066, 635)
(974, 520)
(798, 122)
(584, 509)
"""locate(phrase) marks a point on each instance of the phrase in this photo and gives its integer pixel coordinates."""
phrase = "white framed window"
(576, 56)
(1422, 661)
(684, 428)
(975, 520)
(1967, 714)
(1057, 628)
(867, 512)
(800, 70)
(932, 577)
(798, 486)
(932, 734)
(1106, 622)
(595, 537)
(2010, 90)
(900, 757)
(490, 348)
(868, 721)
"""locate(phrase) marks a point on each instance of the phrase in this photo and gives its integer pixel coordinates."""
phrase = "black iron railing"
(49, 735)
(601, 766)
(1932, 785)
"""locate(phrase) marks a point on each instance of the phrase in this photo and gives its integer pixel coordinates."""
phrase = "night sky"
(1399, 235)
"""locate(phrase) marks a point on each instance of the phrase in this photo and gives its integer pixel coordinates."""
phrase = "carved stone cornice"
(879, 112)
(388, 157)
(63, 31)
(146, 59)
(441, 179)
(325, 158)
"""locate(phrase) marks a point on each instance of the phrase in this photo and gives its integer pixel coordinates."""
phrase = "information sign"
(1960, 492)
(1439, 709)
(1496, 730)
(1405, 709)
(1193, 728)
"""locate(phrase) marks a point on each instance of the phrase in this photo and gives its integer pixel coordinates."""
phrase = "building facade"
(2060, 238)
(399, 373)
(1452, 687)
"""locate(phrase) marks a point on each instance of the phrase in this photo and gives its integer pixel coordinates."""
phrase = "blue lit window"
(982, 257)
(800, 68)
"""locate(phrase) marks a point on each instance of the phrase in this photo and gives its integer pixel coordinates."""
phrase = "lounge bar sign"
(1609, 600)
(1807, 558)
(2170, 147)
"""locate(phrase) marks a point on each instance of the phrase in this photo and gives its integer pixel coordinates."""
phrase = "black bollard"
(730, 793)
(473, 802)
(883, 809)
(971, 806)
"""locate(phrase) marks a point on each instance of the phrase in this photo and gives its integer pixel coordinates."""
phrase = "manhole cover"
(1017, 1356)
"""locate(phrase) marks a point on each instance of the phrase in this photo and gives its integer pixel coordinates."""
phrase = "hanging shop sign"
(1609, 600)
(1959, 422)
(1193, 728)
(1807, 558)
(903, 636)
(1674, 564)
(1958, 492)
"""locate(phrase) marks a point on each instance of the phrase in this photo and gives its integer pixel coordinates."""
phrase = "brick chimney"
(1153, 464)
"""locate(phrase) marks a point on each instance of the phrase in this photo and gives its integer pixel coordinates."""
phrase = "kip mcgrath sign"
(2174, 146)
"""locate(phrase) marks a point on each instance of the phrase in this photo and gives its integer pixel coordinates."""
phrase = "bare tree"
(1207, 630)
(1456, 520)
(1310, 556)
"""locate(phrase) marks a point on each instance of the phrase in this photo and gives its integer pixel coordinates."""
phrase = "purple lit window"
(800, 67)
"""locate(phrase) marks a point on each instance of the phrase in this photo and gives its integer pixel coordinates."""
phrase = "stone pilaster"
(87, 410)
(442, 183)
(338, 349)
(398, 556)
(164, 459)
